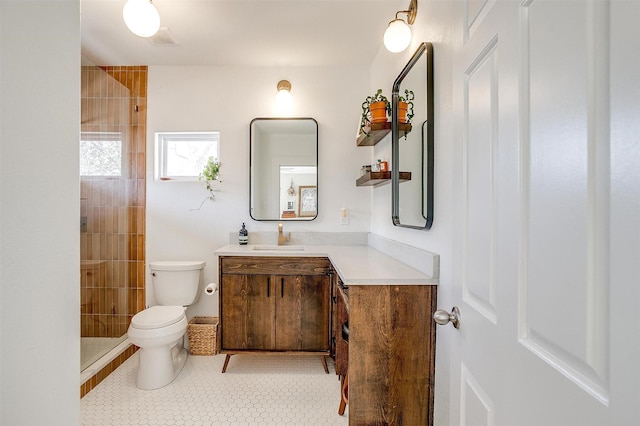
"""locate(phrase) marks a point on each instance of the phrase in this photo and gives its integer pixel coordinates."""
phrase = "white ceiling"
(243, 32)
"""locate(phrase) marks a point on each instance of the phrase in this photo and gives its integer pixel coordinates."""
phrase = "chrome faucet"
(281, 237)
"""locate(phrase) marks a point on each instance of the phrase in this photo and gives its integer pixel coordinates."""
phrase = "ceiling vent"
(164, 37)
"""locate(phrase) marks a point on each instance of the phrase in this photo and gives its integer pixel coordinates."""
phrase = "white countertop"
(355, 264)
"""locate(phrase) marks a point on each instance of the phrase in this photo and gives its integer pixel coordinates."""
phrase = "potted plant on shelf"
(405, 106)
(210, 173)
(375, 109)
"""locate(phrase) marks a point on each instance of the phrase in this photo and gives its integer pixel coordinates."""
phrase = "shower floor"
(93, 348)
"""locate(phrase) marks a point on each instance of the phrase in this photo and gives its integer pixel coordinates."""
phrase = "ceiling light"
(397, 37)
(283, 97)
(142, 17)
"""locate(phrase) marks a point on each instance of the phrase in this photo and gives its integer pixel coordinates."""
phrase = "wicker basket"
(202, 333)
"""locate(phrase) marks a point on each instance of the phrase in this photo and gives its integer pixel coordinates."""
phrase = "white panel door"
(547, 240)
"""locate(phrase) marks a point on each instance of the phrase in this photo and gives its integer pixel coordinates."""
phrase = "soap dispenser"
(243, 236)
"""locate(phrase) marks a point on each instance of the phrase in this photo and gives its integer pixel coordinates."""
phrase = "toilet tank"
(176, 282)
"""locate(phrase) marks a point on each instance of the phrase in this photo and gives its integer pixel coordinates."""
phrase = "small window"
(183, 155)
(100, 154)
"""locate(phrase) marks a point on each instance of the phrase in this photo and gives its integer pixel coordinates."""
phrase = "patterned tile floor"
(255, 390)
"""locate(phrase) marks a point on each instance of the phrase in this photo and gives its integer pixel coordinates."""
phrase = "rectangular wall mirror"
(283, 164)
(412, 201)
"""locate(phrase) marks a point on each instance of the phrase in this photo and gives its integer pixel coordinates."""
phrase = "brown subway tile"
(142, 185)
(115, 213)
(140, 165)
(140, 247)
(83, 245)
(108, 192)
(137, 85)
(95, 247)
(102, 218)
(123, 253)
(109, 269)
(140, 217)
(122, 303)
(106, 106)
(122, 221)
(103, 246)
(141, 137)
(133, 161)
(124, 271)
(102, 303)
(132, 271)
(141, 274)
(132, 301)
(131, 220)
(140, 300)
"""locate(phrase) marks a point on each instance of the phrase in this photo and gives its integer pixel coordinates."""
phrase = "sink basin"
(276, 248)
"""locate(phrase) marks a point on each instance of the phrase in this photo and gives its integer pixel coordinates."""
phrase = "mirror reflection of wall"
(411, 155)
(284, 157)
(292, 178)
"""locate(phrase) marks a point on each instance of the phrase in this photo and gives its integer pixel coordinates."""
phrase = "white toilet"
(159, 330)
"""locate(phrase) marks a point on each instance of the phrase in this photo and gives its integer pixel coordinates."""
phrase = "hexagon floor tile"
(255, 390)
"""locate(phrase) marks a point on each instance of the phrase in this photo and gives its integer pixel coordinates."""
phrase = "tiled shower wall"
(112, 243)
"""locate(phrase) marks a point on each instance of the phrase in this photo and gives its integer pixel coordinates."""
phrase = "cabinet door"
(247, 312)
(391, 354)
(302, 313)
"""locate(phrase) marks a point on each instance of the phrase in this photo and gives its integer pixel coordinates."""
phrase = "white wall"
(436, 22)
(39, 212)
(227, 99)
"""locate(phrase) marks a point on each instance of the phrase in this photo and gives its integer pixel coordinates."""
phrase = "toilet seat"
(157, 317)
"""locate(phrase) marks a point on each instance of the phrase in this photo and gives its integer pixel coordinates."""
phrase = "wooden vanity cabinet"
(274, 304)
(295, 304)
(391, 354)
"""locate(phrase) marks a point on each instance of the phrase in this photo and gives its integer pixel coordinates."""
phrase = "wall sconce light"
(142, 17)
(283, 97)
(397, 37)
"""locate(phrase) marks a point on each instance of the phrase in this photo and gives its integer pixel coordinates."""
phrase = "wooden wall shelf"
(377, 131)
(380, 178)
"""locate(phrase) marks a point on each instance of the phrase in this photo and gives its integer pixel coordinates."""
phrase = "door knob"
(443, 317)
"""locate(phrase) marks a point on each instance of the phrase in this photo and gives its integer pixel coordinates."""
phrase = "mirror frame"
(251, 141)
(425, 48)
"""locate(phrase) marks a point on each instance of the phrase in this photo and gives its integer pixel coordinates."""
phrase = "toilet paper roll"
(210, 289)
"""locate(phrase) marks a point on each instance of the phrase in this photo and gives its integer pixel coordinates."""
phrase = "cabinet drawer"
(274, 265)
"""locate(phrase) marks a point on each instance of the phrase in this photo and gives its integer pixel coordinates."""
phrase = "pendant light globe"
(141, 17)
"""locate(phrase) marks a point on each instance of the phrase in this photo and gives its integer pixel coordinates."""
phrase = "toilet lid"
(157, 317)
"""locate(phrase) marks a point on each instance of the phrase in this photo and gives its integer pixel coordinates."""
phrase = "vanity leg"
(324, 363)
(226, 362)
(344, 398)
